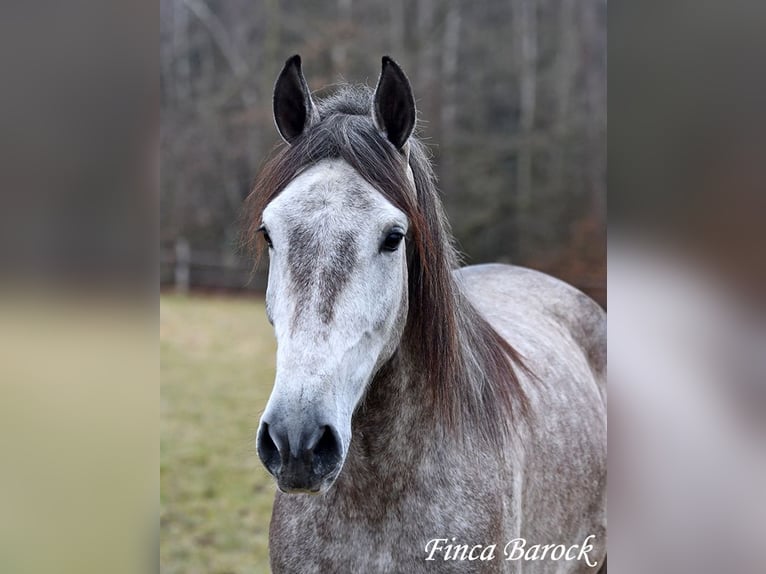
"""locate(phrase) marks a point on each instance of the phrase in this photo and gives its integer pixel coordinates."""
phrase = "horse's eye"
(266, 237)
(392, 241)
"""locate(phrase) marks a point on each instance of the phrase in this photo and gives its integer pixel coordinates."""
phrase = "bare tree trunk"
(566, 71)
(426, 55)
(167, 55)
(239, 67)
(596, 104)
(180, 79)
(525, 31)
(226, 45)
(340, 47)
(207, 71)
(182, 266)
(396, 26)
(525, 17)
(450, 55)
(181, 49)
(271, 44)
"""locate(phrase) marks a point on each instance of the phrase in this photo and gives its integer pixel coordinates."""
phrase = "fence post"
(183, 262)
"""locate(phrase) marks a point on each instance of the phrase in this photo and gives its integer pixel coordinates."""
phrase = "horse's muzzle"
(311, 460)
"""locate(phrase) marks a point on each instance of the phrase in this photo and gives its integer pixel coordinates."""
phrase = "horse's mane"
(470, 369)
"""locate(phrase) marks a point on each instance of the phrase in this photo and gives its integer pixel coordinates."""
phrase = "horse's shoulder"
(537, 288)
(519, 294)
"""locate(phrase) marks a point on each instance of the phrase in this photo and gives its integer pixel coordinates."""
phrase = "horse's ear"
(393, 108)
(294, 110)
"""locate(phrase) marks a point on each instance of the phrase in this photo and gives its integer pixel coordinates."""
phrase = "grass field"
(217, 367)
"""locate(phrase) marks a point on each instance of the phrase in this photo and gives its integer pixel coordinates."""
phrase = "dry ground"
(217, 367)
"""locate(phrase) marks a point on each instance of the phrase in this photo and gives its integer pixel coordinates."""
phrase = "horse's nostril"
(327, 451)
(267, 449)
(300, 461)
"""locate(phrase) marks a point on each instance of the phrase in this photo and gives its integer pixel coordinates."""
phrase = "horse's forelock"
(343, 132)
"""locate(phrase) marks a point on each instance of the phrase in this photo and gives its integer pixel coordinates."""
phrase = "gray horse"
(424, 417)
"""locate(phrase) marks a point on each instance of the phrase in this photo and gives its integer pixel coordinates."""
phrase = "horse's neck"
(394, 425)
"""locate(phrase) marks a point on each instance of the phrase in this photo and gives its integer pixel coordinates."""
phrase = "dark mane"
(470, 369)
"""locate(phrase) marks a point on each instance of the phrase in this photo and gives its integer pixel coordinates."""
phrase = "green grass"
(217, 367)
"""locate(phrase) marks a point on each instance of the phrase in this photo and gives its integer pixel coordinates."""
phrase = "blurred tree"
(511, 97)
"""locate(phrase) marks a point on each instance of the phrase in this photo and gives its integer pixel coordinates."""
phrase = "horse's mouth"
(290, 483)
(298, 490)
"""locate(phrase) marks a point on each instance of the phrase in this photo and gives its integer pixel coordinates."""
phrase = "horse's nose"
(302, 459)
